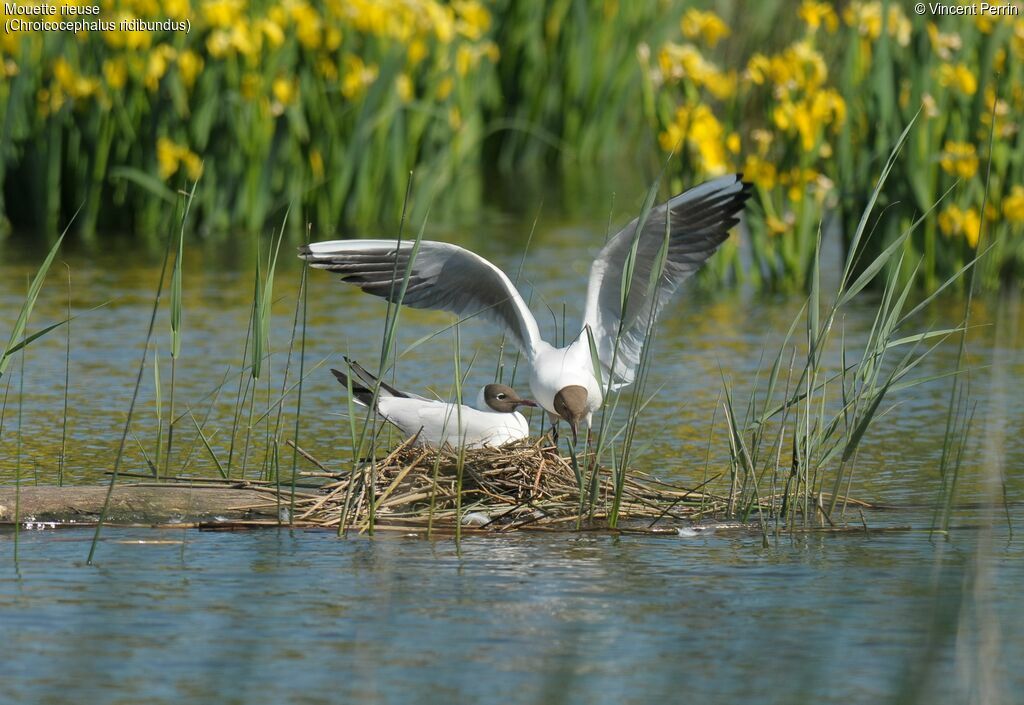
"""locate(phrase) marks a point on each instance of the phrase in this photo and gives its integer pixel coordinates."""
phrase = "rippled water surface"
(281, 616)
(275, 616)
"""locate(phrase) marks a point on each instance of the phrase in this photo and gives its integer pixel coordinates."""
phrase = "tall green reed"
(460, 464)
(826, 415)
(304, 292)
(263, 298)
(244, 380)
(958, 419)
(275, 441)
(391, 319)
(62, 461)
(17, 452)
(612, 395)
(13, 346)
(158, 404)
(568, 73)
(34, 288)
(135, 393)
(176, 310)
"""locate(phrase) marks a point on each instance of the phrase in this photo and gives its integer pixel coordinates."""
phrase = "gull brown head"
(571, 404)
(504, 399)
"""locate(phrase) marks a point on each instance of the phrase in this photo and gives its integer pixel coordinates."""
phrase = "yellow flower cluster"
(285, 91)
(1017, 39)
(796, 182)
(760, 171)
(698, 130)
(797, 74)
(679, 62)
(340, 35)
(798, 67)
(170, 157)
(959, 159)
(801, 108)
(156, 65)
(808, 116)
(190, 64)
(999, 109)
(1013, 205)
(867, 18)
(234, 32)
(706, 26)
(818, 14)
(956, 222)
(358, 76)
(407, 20)
(115, 72)
(71, 83)
(944, 45)
(404, 87)
(958, 77)
(467, 57)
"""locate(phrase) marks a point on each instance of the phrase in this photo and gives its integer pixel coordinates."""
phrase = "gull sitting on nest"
(493, 421)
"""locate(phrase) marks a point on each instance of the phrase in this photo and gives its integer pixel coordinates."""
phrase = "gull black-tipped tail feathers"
(363, 384)
(360, 394)
(493, 421)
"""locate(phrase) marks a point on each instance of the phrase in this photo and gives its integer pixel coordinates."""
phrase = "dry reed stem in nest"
(517, 485)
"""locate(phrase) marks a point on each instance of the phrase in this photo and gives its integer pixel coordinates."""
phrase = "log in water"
(132, 504)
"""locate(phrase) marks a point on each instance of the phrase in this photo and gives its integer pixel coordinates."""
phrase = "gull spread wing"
(443, 276)
(699, 221)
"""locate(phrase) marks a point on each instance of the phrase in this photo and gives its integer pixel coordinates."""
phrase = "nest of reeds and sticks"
(520, 486)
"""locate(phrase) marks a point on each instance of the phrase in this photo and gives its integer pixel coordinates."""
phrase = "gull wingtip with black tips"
(443, 276)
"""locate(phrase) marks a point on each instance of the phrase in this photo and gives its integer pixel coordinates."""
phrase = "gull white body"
(493, 421)
(552, 369)
(440, 422)
(669, 244)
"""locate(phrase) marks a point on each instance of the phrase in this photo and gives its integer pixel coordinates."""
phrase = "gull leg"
(553, 418)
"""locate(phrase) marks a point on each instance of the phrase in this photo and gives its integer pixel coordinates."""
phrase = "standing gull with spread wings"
(563, 380)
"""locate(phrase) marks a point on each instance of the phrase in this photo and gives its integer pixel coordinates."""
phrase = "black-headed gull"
(563, 380)
(493, 422)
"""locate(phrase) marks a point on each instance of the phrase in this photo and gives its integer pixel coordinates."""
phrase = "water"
(279, 616)
(703, 336)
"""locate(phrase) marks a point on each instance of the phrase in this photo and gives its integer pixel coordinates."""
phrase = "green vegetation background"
(328, 107)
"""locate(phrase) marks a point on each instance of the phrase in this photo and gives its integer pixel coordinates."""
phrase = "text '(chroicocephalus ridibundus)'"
(563, 380)
(493, 422)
